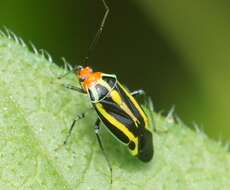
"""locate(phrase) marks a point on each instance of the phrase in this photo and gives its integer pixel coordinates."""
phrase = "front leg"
(71, 87)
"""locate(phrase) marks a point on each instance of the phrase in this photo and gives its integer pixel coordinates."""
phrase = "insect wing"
(124, 117)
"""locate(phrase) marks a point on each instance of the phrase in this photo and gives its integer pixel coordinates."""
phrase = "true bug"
(116, 107)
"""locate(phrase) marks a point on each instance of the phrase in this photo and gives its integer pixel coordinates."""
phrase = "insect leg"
(97, 128)
(138, 92)
(81, 116)
(74, 88)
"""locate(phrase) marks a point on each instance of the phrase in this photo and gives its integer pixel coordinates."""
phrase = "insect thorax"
(102, 88)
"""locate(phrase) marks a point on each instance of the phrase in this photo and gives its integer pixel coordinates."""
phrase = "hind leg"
(139, 92)
(97, 129)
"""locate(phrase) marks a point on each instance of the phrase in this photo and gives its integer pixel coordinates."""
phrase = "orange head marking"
(85, 73)
(87, 77)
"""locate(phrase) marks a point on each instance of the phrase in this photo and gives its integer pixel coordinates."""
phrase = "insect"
(116, 107)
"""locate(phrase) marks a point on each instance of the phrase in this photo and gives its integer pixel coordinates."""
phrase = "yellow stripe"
(135, 151)
(114, 122)
(119, 126)
(118, 100)
(135, 104)
(105, 84)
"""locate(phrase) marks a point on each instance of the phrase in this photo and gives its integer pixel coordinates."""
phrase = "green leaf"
(36, 113)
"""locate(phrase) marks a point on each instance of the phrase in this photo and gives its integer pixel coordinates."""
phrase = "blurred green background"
(178, 51)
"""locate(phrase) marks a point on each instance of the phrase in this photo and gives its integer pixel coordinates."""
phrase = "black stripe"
(131, 106)
(101, 92)
(119, 134)
(111, 80)
(113, 109)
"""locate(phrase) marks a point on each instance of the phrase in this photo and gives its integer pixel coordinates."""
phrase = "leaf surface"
(36, 113)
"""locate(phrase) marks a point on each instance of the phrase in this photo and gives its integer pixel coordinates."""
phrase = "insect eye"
(79, 68)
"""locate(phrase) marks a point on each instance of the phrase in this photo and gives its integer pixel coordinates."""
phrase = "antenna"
(94, 41)
(98, 34)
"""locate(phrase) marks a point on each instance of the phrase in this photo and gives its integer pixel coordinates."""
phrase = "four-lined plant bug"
(118, 110)
(116, 107)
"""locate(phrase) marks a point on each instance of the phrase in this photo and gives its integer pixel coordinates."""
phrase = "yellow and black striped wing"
(126, 120)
